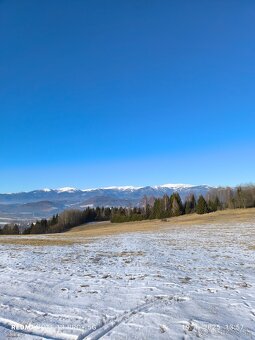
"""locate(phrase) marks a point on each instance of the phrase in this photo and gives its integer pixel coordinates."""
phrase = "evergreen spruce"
(190, 205)
(176, 205)
(201, 207)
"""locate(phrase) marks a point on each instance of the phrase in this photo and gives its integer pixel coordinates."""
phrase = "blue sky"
(102, 93)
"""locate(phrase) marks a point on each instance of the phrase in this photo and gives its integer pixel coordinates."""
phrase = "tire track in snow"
(104, 328)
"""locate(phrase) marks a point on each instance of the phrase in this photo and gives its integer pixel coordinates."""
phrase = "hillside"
(87, 232)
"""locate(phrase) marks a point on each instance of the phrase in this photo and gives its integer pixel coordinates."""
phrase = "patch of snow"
(87, 206)
(46, 190)
(121, 188)
(176, 186)
(66, 189)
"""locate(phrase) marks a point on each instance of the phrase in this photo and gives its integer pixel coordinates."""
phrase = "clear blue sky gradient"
(100, 93)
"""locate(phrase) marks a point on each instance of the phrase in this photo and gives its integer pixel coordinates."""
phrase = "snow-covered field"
(181, 283)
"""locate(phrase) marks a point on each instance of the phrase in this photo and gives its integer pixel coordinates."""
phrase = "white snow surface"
(180, 283)
(133, 188)
(66, 189)
(121, 188)
(176, 186)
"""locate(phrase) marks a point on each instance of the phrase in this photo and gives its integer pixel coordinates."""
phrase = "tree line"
(61, 222)
(166, 207)
(153, 208)
(170, 206)
(69, 219)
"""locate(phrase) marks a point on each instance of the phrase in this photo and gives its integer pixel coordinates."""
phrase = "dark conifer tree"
(190, 205)
(201, 207)
(15, 230)
(176, 205)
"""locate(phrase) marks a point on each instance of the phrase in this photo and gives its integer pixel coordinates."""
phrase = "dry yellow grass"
(29, 241)
(85, 233)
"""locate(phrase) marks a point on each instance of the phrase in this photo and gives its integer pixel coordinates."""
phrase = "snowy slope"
(178, 283)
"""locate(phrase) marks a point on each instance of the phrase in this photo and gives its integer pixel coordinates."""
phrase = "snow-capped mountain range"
(46, 202)
(120, 188)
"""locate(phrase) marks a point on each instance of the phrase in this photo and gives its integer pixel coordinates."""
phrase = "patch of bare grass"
(87, 232)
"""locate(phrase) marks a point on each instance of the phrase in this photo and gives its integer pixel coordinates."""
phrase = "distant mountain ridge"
(46, 202)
